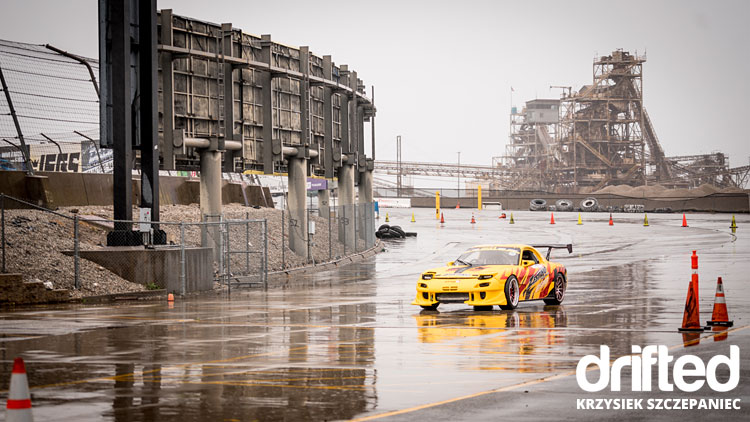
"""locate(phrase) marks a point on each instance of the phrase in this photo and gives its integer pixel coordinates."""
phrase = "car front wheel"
(512, 293)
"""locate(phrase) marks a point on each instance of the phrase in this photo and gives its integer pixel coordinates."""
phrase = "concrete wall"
(718, 202)
(78, 189)
(160, 266)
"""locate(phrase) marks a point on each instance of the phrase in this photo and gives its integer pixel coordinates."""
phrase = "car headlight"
(485, 276)
(426, 276)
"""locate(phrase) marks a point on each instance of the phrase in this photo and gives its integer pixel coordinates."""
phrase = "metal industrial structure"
(180, 93)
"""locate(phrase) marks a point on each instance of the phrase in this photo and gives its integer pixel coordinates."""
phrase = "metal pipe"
(293, 152)
(80, 60)
(206, 143)
(51, 140)
(96, 147)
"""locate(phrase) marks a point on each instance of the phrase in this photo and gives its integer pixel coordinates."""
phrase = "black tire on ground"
(512, 293)
(398, 230)
(589, 204)
(538, 205)
(564, 205)
(384, 226)
(483, 308)
(558, 292)
(430, 307)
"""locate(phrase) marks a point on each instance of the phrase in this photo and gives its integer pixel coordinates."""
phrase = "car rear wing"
(569, 247)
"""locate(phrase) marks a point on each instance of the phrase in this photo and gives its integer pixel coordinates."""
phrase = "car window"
(528, 255)
(498, 256)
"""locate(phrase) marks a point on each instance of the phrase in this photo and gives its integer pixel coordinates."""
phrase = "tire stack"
(392, 232)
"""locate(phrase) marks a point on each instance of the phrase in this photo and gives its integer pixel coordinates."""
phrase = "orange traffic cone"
(170, 297)
(684, 221)
(473, 221)
(458, 205)
(691, 316)
(18, 407)
(611, 223)
(552, 218)
(442, 218)
(720, 315)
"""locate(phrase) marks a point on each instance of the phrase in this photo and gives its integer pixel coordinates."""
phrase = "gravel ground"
(35, 242)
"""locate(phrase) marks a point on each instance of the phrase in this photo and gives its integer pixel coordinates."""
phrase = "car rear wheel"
(558, 293)
(512, 293)
(432, 307)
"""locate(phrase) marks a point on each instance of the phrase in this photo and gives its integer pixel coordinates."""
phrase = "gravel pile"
(36, 242)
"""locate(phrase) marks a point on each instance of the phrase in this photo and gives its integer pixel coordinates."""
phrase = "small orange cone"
(458, 205)
(473, 221)
(442, 218)
(18, 407)
(720, 315)
(502, 215)
(552, 218)
(684, 221)
(611, 223)
(170, 297)
(691, 316)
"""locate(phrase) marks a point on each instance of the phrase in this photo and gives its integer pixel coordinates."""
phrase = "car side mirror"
(527, 263)
(450, 264)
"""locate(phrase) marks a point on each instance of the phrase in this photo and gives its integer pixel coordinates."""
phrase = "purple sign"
(316, 184)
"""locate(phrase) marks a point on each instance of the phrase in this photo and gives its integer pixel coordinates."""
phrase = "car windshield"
(505, 256)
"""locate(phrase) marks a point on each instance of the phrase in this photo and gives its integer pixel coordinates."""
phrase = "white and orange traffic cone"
(18, 408)
(720, 316)
(473, 221)
(611, 222)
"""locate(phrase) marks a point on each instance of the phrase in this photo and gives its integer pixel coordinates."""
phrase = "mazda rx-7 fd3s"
(501, 275)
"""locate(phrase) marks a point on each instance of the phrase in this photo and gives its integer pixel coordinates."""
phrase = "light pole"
(458, 176)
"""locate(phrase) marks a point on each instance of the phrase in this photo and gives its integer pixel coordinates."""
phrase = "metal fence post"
(228, 255)
(330, 242)
(354, 220)
(265, 253)
(2, 205)
(76, 254)
(344, 226)
(247, 242)
(283, 253)
(183, 276)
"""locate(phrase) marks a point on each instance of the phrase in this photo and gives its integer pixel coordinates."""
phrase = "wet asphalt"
(348, 344)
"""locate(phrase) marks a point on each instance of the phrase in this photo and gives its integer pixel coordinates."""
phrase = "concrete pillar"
(210, 199)
(324, 201)
(346, 201)
(297, 205)
(365, 215)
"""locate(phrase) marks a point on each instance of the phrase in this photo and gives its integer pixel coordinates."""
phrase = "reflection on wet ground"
(348, 343)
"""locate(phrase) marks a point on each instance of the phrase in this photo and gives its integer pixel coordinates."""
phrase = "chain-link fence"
(232, 249)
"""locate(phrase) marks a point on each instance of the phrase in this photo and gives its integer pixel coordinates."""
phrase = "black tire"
(398, 230)
(558, 292)
(384, 227)
(538, 205)
(512, 293)
(432, 307)
(589, 204)
(483, 308)
(564, 205)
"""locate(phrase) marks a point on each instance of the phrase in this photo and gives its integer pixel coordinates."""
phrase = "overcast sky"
(442, 71)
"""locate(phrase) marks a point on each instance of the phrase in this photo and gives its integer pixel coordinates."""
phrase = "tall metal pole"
(398, 164)
(458, 176)
(24, 151)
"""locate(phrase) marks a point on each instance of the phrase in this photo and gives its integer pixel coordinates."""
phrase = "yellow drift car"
(501, 275)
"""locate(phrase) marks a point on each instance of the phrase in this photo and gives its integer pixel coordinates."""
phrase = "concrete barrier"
(718, 202)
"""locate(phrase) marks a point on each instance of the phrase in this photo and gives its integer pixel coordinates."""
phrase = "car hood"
(465, 271)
